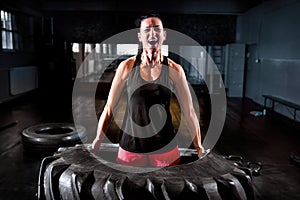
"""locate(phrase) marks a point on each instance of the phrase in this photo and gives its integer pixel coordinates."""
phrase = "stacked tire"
(45, 139)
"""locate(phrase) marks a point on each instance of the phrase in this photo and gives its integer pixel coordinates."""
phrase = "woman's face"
(151, 33)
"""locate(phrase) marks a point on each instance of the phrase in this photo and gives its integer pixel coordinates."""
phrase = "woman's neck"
(151, 58)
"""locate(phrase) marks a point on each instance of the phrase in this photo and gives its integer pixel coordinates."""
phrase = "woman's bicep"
(117, 85)
(182, 90)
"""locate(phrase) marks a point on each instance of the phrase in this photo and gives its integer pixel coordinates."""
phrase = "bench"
(274, 99)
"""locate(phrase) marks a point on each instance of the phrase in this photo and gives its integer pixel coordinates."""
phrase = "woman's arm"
(178, 77)
(116, 89)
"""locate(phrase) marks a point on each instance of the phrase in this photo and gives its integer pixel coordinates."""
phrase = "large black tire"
(45, 139)
(75, 173)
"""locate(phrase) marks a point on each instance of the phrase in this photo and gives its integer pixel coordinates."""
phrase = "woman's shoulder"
(126, 66)
(175, 69)
(128, 63)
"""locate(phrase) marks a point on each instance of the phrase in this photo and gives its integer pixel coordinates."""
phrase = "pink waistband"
(139, 159)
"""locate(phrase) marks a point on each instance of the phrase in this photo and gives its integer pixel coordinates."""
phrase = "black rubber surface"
(45, 139)
(76, 173)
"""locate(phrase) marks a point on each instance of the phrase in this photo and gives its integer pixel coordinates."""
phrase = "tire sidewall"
(33, 140)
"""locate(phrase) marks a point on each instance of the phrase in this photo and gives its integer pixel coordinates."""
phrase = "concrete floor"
(269, 139)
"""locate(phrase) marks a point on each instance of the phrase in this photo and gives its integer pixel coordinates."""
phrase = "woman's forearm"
(194, 128)
(103, 124)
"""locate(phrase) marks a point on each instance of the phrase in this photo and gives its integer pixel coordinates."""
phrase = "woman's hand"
(200, 151)
(96, 145)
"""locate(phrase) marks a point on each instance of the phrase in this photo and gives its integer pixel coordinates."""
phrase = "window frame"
(21, 28)
(7, 28)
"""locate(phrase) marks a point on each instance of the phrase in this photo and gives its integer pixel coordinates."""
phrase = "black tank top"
(147, 124)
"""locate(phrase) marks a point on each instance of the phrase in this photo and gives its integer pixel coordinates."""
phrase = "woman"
(147, 132)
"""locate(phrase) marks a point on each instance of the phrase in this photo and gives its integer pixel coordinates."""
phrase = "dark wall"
(98, 26)
(205, 29)
(26, 53)
(272, 34)
(50, 51)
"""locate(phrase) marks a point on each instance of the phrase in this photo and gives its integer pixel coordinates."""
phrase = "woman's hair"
(146, 16)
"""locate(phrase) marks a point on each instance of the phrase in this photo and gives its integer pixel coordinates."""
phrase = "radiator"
(23, 79)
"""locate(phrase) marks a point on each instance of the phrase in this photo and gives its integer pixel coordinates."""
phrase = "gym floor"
(270, 140)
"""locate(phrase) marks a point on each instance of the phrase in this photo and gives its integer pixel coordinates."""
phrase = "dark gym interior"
(46, 45)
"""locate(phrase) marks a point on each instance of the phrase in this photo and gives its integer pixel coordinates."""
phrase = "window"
(87, 48)
(17, 31)
(7, 31)
(123, 49)
(132, 49)
(102, 55)
(75, 47)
